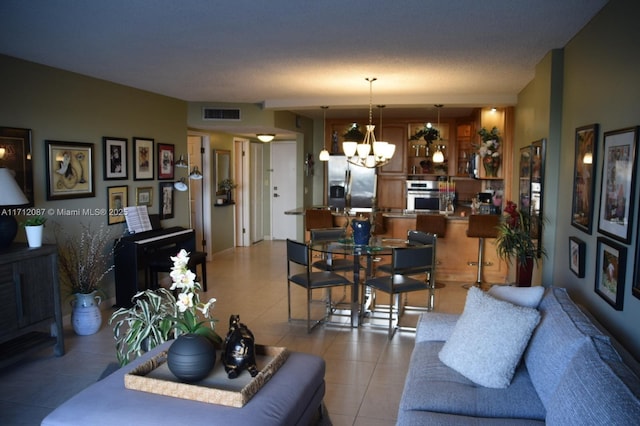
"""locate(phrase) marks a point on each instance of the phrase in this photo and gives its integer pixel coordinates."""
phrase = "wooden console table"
(30, 311)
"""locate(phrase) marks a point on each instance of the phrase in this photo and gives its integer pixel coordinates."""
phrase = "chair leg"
(203, 266)
(289, 301)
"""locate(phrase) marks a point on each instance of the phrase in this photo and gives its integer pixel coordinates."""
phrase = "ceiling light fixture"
(438, 156)
(195, 173)
(265, 137)
(324, 154)
(181, 162)
(369, 153)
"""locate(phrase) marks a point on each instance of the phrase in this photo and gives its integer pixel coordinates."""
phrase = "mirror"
(222, 162)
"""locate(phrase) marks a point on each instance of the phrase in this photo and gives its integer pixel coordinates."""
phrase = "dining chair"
(406, 262)
(330, 262)
(298, 253)
(317, 219)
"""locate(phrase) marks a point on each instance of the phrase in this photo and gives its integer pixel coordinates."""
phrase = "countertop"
(461, 212)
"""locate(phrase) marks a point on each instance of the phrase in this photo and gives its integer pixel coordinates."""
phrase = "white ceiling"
(297, 55)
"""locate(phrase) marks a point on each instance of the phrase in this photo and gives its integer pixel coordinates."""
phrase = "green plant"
(490, 143)
(514, 236)
(85, 260)
(35, 221)
(354, 134)
(144, 325)
(428, 133)
(227, 185)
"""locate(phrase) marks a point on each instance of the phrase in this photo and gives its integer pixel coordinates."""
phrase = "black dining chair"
(406, 263)
(328, 261)
(298, 253)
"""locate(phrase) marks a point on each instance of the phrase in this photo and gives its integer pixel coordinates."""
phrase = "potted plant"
(354, 134)
(489, 150)
(83, 263)
(227, 185)
(33, 227)
(428, 133)
(514, 241)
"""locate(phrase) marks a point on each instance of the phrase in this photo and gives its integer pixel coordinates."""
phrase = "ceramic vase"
(34, 235)
(361, 231)
(191, 357)
(86, 317)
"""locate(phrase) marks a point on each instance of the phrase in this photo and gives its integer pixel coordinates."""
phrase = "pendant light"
(324, 154)
(438, 156)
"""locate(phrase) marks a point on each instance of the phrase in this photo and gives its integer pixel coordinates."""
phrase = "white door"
(283, 190)
(257, 193)
(242, 192)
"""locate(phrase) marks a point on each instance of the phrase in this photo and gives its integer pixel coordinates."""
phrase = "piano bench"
(164, 265)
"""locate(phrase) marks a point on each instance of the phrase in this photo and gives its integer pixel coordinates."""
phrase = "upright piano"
(133, 252)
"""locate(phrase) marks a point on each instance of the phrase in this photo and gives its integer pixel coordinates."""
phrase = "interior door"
(257, 193)
(283, 190)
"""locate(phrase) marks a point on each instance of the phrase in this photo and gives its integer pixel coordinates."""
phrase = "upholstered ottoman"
(292, 396)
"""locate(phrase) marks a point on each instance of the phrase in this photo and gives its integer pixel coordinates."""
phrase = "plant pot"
(191, 357)
(86, 317)
(34, 235)
(524, 273)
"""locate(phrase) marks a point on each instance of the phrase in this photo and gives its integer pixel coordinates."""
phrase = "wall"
(64, 106)
(600, 85)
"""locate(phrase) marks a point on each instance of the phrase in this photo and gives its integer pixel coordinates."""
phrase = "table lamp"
(10, 196)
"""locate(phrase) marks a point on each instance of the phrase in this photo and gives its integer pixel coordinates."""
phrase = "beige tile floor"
(365, 372)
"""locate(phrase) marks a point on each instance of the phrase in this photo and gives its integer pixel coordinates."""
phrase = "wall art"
(70, 171)
(611, 266)
(115, 158)
(143, 159)
(15, 155)
(584, 180)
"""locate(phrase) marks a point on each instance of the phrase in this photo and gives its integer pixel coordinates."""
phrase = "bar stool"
(432, 224)
(317, 219)
(482, 226)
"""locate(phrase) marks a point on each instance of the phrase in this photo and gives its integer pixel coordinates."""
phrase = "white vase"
(34, 235)
(86, 317)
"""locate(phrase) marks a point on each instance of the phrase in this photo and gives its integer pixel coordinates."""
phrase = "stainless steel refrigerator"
(344, 179)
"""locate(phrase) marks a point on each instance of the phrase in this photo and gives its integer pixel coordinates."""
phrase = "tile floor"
(365, 372)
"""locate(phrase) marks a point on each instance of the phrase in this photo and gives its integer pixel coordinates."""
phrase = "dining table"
(375, 250)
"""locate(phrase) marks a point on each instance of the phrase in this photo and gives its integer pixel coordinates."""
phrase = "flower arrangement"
(514, 236)
(227, 185)
(83, 262)
(489, 150)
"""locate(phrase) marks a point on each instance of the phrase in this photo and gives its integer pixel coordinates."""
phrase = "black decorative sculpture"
(239, 349)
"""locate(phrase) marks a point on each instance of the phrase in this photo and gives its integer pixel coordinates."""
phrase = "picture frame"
(618, 184)
(117, 200)
(115, 158)
(584, 180)
(165, 161)
(144, 196)
(143, 161)
(611, 266)
(15, 146)
(70, 171)
(635, 289)
(577, 250)
(166, 200)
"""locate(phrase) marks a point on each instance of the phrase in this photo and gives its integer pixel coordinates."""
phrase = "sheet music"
(137, 218)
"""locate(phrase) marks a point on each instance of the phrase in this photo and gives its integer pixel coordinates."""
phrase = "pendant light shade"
(324, 154)
(265, 137)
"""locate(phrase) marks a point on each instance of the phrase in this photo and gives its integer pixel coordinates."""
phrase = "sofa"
(568, 371)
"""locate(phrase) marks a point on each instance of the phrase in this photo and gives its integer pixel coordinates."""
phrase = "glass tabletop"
(376, 246)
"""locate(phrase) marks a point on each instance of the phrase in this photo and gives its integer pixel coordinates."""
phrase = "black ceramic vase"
(191, 357)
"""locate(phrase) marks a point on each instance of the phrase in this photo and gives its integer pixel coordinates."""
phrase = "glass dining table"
(377, 248)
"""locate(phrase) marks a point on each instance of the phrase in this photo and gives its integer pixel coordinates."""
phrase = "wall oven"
(423, 195)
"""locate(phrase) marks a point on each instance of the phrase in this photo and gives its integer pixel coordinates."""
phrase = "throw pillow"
(521, 296)
(488, 340)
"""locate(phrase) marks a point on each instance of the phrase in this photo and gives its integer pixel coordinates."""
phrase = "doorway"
(242, 178)
(199, 190)
(283, 190)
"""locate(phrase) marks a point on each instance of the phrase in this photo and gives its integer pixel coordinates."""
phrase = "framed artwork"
(144, 196)
(166, 197)
(584, 182)
(524, 179)
(618, 182)
(635, 290)
(165, 161)
(117, 197)
(70, 171)
(611, 266)
(15, 155)
(577, 249)
(143, 159)
(115, 158)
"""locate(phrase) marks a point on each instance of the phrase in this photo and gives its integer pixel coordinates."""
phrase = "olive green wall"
(63, 106)
(599, 85)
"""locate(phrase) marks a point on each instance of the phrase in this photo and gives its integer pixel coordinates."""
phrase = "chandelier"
(369, 153)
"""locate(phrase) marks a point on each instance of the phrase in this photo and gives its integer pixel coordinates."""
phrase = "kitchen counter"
(461, 213)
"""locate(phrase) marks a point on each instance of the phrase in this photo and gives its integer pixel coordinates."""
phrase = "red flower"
(514, 216)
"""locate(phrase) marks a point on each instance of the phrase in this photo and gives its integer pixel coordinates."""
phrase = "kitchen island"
(454, 252)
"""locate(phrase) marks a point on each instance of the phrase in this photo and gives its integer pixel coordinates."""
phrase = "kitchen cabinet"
(465, 139)
(392, 192)
(420, 154)
(397, 135)
(30, 311)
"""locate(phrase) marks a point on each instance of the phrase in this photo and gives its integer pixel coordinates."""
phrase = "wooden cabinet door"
(391, 192)
(36, 286)
(397, 135)
(8, 302)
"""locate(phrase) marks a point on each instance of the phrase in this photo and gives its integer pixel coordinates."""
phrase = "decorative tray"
(154, 377)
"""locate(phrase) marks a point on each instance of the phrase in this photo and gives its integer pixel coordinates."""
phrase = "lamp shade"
(12, 195)
(266, 137)
(195, 173)
(181, 185)
(324, 155)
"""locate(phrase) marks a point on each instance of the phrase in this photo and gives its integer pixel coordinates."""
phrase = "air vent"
(209, 113)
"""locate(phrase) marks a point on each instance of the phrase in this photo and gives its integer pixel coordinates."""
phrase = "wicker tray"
(154, 377)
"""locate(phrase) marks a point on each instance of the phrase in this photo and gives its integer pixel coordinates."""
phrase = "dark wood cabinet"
(30, 310)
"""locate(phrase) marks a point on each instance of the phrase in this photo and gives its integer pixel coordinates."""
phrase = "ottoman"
(293, 396)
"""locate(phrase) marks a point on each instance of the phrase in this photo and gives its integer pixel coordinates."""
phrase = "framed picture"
(69, 170)
(15, 155)
(611, 266)
(635, 290)
(618, 182)
(165, 161)
(143, 159)
(144, 196)
(577, 249)
(166, 197)
(115, 158)
(584, 182)
(117, 197)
